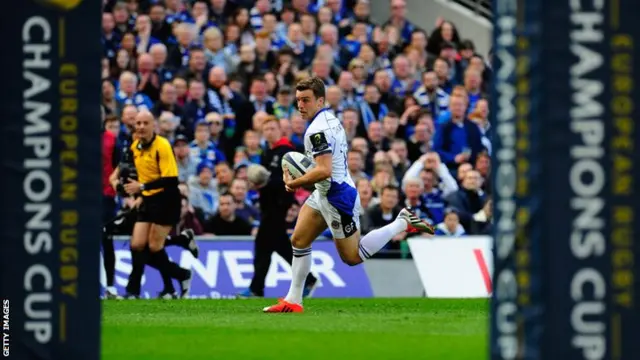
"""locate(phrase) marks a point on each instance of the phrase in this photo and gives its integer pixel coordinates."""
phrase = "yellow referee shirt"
(154, 161)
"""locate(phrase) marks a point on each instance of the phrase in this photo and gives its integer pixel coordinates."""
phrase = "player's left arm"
(322, 153)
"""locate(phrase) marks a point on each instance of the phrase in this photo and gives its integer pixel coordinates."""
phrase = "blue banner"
(225, 268)
(50, 111)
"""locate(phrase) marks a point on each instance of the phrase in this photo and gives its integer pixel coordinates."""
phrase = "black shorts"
(162, 208)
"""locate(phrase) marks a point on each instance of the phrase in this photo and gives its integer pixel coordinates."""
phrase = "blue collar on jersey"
(318, 113)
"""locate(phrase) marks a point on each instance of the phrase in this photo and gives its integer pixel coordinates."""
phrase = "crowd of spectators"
(412, 99)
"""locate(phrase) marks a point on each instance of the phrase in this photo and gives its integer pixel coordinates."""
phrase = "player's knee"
(298, 242)
(155, 246)
(351, 259)
(138, 245)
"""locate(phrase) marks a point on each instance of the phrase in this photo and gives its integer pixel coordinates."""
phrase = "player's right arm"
(322, 153)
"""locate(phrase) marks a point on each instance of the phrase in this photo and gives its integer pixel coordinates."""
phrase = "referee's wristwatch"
(141, 187)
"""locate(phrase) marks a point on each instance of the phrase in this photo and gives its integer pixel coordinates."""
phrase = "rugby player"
(337, 206)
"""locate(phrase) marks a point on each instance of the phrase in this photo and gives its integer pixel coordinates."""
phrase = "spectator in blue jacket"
(128, 93)
(460, 139)
(202, 147)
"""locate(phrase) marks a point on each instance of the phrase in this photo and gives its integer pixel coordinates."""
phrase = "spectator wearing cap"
(283, 108)
(470, 203)
(430, 96)
(168, 102)
(458, 140)
(219, 136)
(214, 51)
(451, 225)
(442, 69)
(196, 108)
(202, 148)
(187, 165)
(179, 52)
(128, 93)
(203, 191)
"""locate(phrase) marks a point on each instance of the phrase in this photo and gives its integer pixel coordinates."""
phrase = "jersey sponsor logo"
(335, 224)
(319, 142)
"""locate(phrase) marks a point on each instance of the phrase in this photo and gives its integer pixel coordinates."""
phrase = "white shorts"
(341, 224)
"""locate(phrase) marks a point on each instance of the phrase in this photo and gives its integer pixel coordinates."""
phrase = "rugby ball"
(258, 175)
(297, 165)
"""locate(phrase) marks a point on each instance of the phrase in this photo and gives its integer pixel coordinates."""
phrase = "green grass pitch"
(330, 329)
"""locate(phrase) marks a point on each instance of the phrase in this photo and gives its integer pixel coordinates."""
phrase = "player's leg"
(165, 212)
(354, 250)
(283, 248)
(159, 256)
(139, 238)
(309, 226)
(186, 240)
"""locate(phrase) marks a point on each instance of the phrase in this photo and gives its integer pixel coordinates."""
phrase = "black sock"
(170, 268)
(179, 240)
(138, 261)
(109, 256)
(156, 262)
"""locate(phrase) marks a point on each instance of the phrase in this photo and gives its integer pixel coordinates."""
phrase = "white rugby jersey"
(325, 135)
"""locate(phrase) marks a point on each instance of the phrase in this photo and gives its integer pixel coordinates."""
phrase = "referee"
(158, 207)
(275, 201)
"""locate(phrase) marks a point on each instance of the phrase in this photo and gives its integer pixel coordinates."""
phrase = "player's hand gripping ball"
(297, 165)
